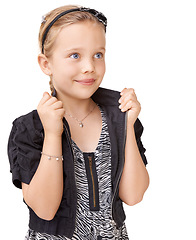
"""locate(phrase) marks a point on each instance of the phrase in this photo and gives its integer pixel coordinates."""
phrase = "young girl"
(79, 156)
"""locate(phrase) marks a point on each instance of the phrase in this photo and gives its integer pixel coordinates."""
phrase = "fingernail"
(120, 106)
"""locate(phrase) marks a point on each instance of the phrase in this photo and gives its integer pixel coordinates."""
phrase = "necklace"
(81, 124)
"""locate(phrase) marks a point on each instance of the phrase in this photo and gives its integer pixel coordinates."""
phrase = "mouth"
(86, 81)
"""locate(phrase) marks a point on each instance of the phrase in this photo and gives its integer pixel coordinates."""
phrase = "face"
(78, 60)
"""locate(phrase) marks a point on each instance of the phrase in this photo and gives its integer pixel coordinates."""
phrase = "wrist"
(51, 156)
(131, 121)
(52, 135)
(130, 127)
(52, 145)
(52, 140)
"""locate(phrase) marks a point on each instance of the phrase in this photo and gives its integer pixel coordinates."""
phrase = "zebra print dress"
(94, 196)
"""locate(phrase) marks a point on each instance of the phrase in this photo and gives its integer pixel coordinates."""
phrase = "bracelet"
(49, 156)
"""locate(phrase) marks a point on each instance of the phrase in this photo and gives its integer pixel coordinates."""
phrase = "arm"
(44, 193)
(135, 179)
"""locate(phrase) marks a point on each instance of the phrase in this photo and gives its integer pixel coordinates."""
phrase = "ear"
(44, 64)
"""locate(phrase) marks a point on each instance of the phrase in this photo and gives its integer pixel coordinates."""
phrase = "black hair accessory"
(100, 17)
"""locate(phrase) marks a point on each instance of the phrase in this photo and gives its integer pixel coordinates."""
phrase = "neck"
(76, 107)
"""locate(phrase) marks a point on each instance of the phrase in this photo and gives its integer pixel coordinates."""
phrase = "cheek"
(66, 70)
(101, 68)
(72, 69)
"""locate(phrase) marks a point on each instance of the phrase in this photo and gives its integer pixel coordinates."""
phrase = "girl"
(79, 155)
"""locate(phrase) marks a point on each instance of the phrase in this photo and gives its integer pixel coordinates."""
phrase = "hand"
(51, 113)
(128, 102)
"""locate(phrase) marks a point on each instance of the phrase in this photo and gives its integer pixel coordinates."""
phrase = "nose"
(88, 66)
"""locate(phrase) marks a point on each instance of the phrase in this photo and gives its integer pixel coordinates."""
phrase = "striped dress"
(94, 194)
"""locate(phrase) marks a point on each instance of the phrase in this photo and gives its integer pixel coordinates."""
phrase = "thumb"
(45, 98)
(46, 94)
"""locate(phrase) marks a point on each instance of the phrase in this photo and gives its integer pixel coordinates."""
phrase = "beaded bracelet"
(49, 156)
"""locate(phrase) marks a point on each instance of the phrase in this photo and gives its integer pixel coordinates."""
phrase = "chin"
(85, 92)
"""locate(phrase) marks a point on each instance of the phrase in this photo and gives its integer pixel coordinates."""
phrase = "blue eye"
(98, 55)
(74, 56)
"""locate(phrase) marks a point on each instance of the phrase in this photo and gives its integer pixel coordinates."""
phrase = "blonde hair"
(72, 17)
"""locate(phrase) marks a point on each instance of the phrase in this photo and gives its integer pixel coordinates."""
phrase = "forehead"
(86, 33)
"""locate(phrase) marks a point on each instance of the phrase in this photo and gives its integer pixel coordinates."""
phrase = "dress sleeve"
(24, 152)
(138, 133)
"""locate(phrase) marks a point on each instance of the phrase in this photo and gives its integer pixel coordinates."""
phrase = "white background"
(151, 47)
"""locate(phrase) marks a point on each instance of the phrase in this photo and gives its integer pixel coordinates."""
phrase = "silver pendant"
(81, 124)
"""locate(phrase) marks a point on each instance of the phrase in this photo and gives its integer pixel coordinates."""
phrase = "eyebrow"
(79, 49)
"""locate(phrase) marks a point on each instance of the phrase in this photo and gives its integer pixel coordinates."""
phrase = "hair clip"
(99, 15)
(43, 19)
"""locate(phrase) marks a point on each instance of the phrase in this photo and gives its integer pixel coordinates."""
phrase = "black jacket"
(24, 151)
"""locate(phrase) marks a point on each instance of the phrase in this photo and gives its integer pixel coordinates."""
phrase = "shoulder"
(30, 120)
(27, 127)
(24, 146)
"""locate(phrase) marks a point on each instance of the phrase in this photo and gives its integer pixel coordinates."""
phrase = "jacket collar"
(103, 96)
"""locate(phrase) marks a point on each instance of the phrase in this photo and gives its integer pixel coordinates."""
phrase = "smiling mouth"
(86, 81)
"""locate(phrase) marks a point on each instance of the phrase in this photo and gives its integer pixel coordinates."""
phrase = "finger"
(46, 94)
(129, 91)
(129, 105)
(51, 101)
(123, 91)
(130, 102)
(123, 100)
(123, 105)
(45, 98)
(128, 94)
(126, 98)
(60, 112)
(57, 105)
(132, 105)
